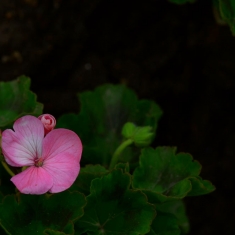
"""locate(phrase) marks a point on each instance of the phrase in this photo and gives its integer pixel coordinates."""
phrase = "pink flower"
(53, 161)
(48, 121)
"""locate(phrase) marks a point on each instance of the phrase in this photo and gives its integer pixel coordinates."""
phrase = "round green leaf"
(32, 214)
(163, 174)
(114, 209)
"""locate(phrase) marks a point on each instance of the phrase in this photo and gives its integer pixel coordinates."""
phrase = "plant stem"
(8, 169)
(118, 151)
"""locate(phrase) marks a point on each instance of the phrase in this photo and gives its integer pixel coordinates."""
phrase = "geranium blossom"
(53, 161)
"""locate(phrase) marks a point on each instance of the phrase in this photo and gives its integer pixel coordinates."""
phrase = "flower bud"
(128, 130)
(141, 136)
(48, 122)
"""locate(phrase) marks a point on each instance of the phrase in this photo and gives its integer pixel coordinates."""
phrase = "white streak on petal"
(22, 146)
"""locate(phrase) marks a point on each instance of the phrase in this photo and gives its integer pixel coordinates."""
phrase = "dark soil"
(176, 55)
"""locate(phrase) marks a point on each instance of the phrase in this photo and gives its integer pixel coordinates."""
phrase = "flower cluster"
(50, 157)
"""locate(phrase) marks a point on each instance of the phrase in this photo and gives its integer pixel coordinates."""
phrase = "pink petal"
(33, 180)
(64, 169)
(21, 147)
(62, 151)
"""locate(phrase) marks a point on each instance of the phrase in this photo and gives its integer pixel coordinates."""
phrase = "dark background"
(176, 55)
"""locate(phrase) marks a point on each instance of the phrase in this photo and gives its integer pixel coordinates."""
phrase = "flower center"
(38, 162)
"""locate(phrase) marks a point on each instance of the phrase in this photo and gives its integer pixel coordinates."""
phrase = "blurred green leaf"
(104, 111)
(163, 175)
(17, 100)
(114, 209)
(69, 229)
(32, 214)
(177, 209)
(227, 12)
(164, 224)
(124, 166)
(200, 186)
(86, 175)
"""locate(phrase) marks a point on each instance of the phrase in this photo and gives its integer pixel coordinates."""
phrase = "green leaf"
(182, 1)
(85, 177)
(17, 100)
(53, 232)
(200, 186)
(114, 209)
(163, 175)
(177, 209)
(69, 229)
(32, 214)
(124, 166)
(227, 12)
(164, 224)
(103, 114)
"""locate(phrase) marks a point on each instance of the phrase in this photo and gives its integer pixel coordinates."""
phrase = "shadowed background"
(175, 55)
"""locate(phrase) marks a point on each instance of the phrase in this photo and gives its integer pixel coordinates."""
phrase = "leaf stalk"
(8, 169)
(118, 151)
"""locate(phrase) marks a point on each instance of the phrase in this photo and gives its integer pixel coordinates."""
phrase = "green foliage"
(113, 208)
(103, 114)
(176, 209)
(101, 201)
(17, 100)
(164, 176)
(30, 214)
(200, 186)
(86, 175)
(165, 224)
(124, 166)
